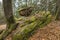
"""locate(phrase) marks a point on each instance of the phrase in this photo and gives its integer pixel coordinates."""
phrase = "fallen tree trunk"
(24, 31)
(28, 29)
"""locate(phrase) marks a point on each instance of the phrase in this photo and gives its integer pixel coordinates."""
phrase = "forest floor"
(49, 32)
(2, 26)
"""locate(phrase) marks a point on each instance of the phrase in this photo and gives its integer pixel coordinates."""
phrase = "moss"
(27, 29)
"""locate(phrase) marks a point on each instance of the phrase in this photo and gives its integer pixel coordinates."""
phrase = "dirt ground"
(49, 32)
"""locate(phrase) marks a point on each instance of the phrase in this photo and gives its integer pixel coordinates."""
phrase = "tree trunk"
(58, 9)
(7, 4)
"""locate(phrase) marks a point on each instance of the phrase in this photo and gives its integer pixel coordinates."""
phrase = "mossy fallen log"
(26, 30)
(33, 18)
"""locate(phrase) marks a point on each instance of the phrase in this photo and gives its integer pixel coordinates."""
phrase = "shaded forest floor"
(49, 32)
